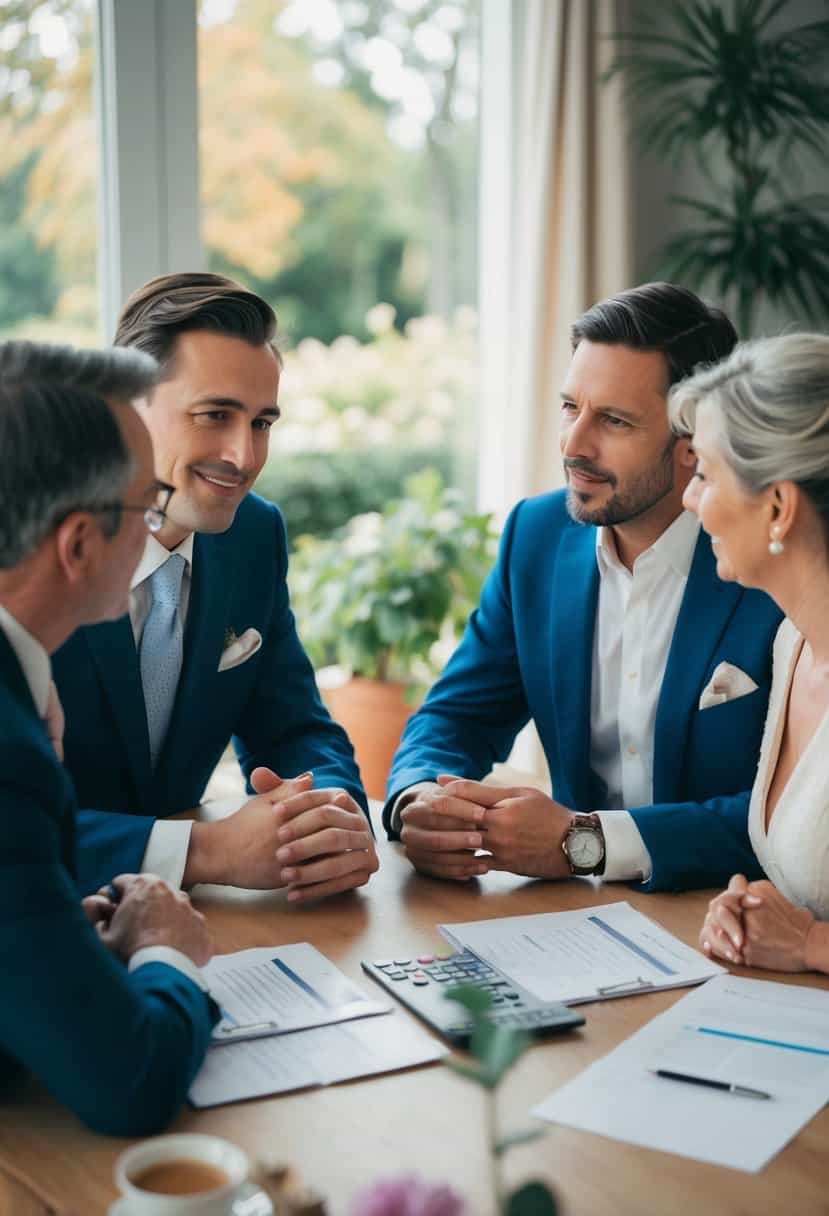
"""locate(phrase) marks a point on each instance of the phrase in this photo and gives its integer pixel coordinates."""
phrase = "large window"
(338, 145)
(48, 244)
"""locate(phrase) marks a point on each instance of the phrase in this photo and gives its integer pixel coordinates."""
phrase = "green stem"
(494, 1158)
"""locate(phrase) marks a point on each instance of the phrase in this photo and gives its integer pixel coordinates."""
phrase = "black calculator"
(420, 982)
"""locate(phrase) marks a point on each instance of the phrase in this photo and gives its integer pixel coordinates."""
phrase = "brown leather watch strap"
(592, 821)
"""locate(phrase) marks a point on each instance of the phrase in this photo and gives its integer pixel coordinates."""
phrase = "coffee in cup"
(181, 1175)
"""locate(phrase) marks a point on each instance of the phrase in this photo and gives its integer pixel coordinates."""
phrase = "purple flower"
(407, 1196)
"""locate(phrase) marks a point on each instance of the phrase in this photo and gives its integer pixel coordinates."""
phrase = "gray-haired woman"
(760, 426)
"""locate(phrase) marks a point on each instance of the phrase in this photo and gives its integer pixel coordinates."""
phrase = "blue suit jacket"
(527, 653)
(120, 1048)
(269, 704)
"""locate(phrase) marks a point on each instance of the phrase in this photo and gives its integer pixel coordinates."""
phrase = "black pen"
(741, 1091)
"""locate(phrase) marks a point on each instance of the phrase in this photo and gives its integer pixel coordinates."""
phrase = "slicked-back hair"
(660, 317)
(61, 443)
(173, 304)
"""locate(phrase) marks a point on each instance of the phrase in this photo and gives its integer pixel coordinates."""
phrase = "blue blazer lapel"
(707, 606)
(207, 619)
(113, 650)
(575, 596)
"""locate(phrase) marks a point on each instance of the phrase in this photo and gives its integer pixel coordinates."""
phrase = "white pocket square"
(239, 650)
(727, 683)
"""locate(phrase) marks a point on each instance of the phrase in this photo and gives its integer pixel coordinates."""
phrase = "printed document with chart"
(326, 1027)
(589, 955)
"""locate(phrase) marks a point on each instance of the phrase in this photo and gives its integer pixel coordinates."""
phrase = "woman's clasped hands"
(751, 923)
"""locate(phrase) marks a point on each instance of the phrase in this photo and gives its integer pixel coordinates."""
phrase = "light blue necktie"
(161, 649)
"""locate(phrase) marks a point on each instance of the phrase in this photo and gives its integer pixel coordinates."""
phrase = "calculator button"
(410, 967)
(420, 981)
(402, 962)
(397, 975)
(425, 958)
(383, 963)
(512, 996)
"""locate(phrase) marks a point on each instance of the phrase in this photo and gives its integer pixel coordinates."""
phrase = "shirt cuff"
(626, 857)
(396, 821)
(172, 958)
(166, 851)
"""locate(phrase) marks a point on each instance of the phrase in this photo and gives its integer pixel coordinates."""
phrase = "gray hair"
(115, 373)
(63, 449)
(772, 401)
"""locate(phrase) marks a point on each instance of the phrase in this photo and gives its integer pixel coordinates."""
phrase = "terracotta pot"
(373, 715)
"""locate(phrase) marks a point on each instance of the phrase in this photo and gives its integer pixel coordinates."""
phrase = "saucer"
(251, 1201)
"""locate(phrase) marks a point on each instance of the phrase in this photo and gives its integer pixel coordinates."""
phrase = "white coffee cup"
(186, 1147)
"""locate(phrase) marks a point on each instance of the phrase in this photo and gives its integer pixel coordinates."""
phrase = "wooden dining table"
(429, 1121)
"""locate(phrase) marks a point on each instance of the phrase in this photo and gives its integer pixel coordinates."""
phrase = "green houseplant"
(494, 1050)
(751, 104)
(385, 599)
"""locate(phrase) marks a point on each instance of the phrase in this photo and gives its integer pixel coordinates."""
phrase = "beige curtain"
(555, 232)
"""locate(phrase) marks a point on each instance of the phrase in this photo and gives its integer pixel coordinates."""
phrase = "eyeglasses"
(154, 516)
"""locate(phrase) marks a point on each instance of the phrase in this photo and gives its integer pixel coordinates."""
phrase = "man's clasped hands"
(443, 824)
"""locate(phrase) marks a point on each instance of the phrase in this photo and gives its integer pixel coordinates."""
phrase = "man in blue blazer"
(103, 1001)
(603, 621)
(152, 700)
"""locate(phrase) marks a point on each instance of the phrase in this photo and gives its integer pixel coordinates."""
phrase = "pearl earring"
(776, 545)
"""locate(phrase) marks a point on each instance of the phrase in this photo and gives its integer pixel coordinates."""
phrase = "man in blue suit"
(209, 650)
(603, 621)
(103, 1001)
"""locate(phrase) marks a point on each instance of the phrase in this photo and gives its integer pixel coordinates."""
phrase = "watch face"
(584, 848)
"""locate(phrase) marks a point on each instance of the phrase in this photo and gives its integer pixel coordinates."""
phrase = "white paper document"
(322, 1056)
(286, 988)
(589, 955)
(773, 1038)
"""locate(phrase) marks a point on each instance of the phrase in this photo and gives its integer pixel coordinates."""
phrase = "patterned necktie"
(161, 649)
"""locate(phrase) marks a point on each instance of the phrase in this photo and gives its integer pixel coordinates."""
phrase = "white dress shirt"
(37, 669)
(635, 619)
(169, 840)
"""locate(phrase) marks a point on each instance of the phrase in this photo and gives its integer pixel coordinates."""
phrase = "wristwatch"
(583, 845)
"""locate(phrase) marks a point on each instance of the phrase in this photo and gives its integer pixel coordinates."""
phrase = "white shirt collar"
(674, 548)
(155, 555)
(31, 656)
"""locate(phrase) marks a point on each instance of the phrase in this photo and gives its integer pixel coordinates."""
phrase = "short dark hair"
(63, 449)
(660, 317)
(173, 304)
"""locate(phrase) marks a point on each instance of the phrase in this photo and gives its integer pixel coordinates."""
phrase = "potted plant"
(385, 599)
(750, 102)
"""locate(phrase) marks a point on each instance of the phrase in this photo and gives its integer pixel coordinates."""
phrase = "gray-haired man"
(113, 979)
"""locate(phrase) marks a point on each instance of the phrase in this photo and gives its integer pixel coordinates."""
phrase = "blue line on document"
(300, 982)
(625, 941)
(750, 1038)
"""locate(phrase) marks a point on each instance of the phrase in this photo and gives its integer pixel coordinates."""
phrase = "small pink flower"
(407, 1196)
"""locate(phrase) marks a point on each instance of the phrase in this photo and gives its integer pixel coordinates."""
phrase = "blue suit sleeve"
(284, 724)
(697, 844)
(111, 844)
(473, 713)
(120, 1049)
